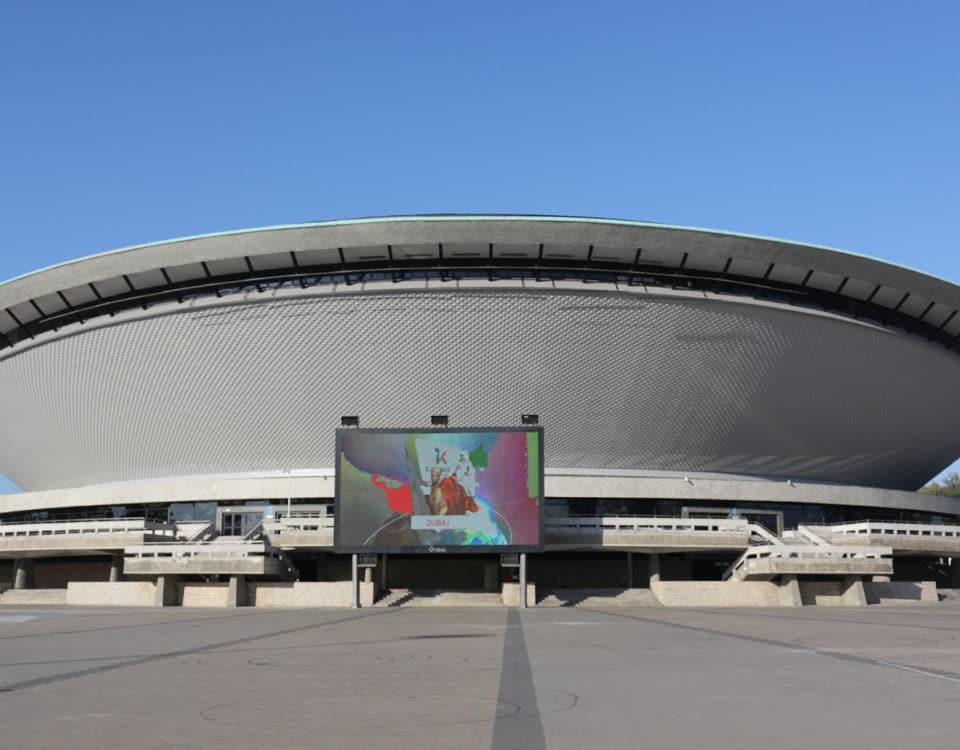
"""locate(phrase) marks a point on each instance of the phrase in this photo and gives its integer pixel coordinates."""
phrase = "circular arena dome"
(643, 348)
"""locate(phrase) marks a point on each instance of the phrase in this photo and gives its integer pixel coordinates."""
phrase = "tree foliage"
(949, 486)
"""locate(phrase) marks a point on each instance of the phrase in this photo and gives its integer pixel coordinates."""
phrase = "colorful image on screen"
(438, 491)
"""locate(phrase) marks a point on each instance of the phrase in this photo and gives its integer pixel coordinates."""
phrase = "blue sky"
(824, 122)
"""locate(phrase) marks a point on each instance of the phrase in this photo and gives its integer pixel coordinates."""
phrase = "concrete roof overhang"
(101, 284)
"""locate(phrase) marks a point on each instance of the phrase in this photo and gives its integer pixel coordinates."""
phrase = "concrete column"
(853, 593)
(382, 582)
(368, 575)
(116, 569)
(653, 576)
(23, 574)
(653, 570)
(237, 591)
(789, 593)
(167, 593)
(629, 570)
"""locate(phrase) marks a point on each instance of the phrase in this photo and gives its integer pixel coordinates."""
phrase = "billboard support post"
(355, 585)
(523, 580)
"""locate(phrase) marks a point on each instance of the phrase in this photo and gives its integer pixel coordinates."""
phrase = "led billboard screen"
(439, 490)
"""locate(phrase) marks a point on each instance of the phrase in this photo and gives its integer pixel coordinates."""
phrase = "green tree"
(949, 486)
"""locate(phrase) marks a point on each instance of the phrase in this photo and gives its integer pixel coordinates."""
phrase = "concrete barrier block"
(511, 594)
(111, 593)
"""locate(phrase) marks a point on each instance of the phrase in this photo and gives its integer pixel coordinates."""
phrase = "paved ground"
(480, 678)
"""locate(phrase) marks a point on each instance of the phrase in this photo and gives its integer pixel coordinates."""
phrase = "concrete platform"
(479, 678)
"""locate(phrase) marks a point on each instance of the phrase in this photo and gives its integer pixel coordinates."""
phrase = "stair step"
(599, 598)
(435, 598)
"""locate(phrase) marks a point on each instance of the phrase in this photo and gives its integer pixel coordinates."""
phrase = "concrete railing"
(201, 550)
(805, 553)
(299, 522)
(94, 526)
(195, 531)
(643, 523)
(888, 528)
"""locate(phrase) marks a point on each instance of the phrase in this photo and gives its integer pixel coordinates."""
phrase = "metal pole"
(629, 570)
(356, 583)
(523, 580)
(383, 573)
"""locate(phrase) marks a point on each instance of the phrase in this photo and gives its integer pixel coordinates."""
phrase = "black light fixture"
(439, 420)
(350, 421)
(530, 419)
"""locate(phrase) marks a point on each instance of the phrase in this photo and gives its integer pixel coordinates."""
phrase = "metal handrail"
(638, 523)
(888, 528)
(98, 526)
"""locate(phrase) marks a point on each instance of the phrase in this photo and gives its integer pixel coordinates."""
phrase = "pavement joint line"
(833, 620)
(38, 681)
(926, 672)
(523, 728)
(839, 655)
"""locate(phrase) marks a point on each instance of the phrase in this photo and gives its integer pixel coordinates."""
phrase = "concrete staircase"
(599, 598)
(437, 598)
(805, 552)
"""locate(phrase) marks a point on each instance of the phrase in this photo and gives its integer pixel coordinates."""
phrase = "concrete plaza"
(480, 678)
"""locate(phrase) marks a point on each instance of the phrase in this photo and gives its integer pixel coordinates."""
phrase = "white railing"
(807, 552)
(96, 526)
(643, 523)
(195, 531)
(890, 528)
(201, 550)
(299, 523)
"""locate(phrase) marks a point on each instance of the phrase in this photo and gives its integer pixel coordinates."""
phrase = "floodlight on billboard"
(439, 490)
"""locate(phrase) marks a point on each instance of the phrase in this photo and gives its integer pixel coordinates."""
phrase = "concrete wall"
(307, 594)
(719, 594)
(511, 594)
(203, 594)
(107, 594)
(900, 592)
(821, 593)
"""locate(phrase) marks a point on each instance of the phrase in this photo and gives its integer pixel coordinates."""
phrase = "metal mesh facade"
(626, 381)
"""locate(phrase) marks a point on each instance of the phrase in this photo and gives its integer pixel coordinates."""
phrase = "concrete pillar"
(368, 575)
(629, 570)
(653, 576)
(167, 593)
(789, 593)
(237, 591)
(116, 569)
(382, 582)
(653, 570)
(853, 593)
(491, 573)
(23, 574)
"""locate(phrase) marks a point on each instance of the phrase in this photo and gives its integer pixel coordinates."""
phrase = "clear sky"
(833, 123)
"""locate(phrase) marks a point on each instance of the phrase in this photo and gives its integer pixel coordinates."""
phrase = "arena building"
(727, 419)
